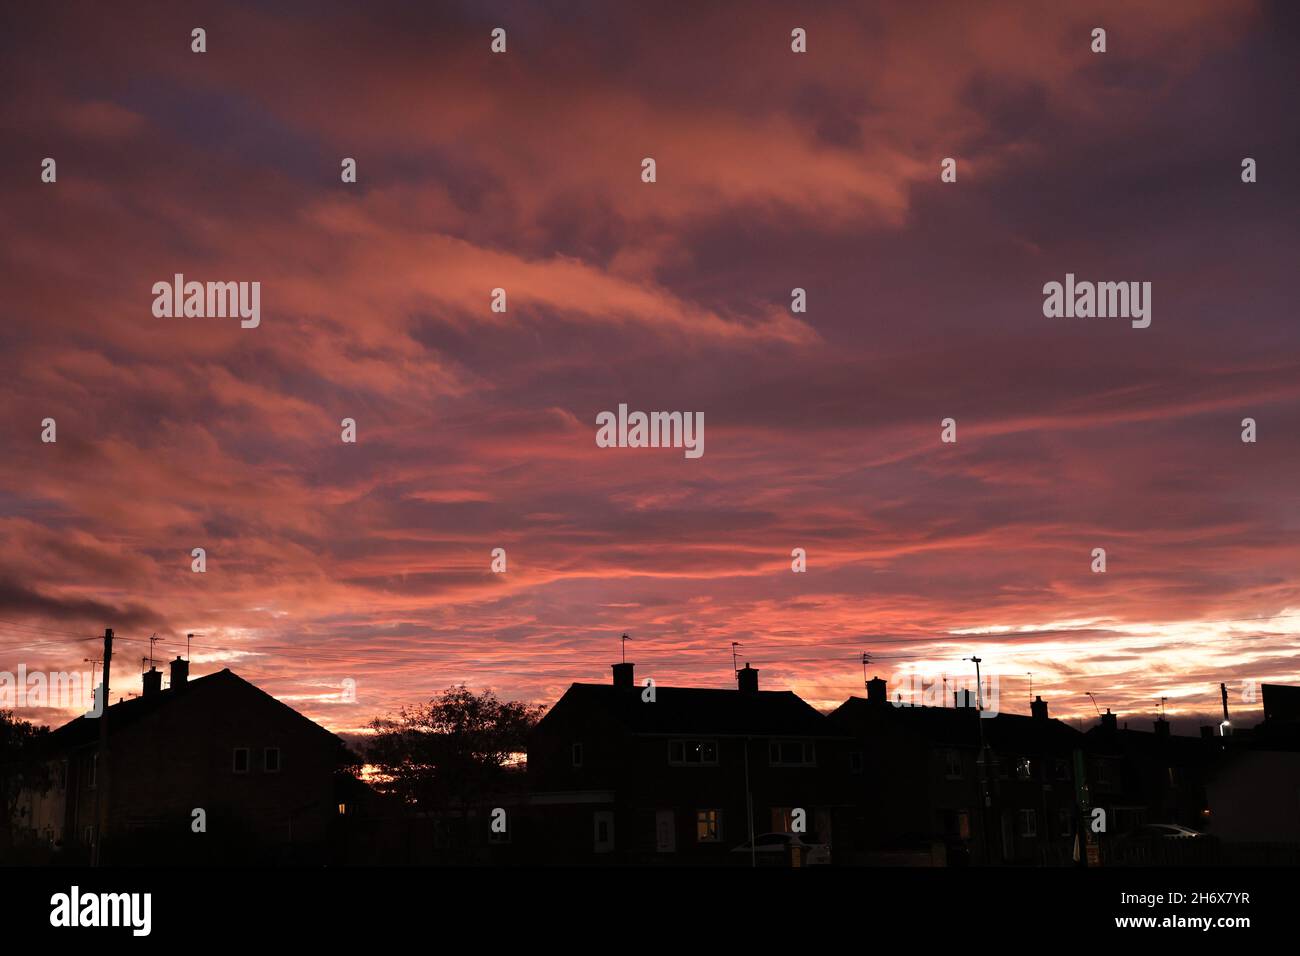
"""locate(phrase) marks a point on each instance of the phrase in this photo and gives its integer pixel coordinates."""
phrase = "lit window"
(708, 826)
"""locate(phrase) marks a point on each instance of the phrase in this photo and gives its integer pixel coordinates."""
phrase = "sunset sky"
(476, 430)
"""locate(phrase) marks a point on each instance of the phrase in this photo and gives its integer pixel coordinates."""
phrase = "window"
(952, 764)
(89, 835)
(271, 760)
(1024, 768)
(1106, 773)
(665, 832)
(240, 764)
(1062, 770)
(1173, 776)
(1065, 820)
(792, 753)
(956, 824)
(1028, 822)
(693, 753)
(577, 754)
(855, 761)
(604, 835)
(708, 826)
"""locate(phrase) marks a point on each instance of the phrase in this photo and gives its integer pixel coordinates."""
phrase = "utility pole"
(749, 809)
(982, 763)
(979, 693)
(101, 757)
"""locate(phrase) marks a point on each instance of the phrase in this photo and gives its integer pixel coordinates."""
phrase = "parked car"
(778, 849)
(1164, 831)
(1159, 843)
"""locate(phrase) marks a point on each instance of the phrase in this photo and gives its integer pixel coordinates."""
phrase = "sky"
(329, 561)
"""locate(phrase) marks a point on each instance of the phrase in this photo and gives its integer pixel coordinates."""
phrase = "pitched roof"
(85, 730)
(1106, 740)
(959, 726)
(697, 710)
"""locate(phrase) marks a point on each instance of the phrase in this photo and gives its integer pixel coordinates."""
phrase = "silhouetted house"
(1144, 777)
(922, 795)
(266, 778)
(685, 777)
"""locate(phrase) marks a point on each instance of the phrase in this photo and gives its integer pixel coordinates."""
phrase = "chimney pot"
(1038, 707)
(152, 680)
(877, 691)
(623, 674)
(180, 673)
(1109, 721)
(747, 679)
(1162, 727)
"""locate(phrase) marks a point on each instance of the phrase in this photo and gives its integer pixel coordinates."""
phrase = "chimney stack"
(747, 679)
(152, 679)
(963, 698)
(1162, 727)
(877, 692)
(180, 673)
(1109, 721)
(623, 674)
(1038, 708)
